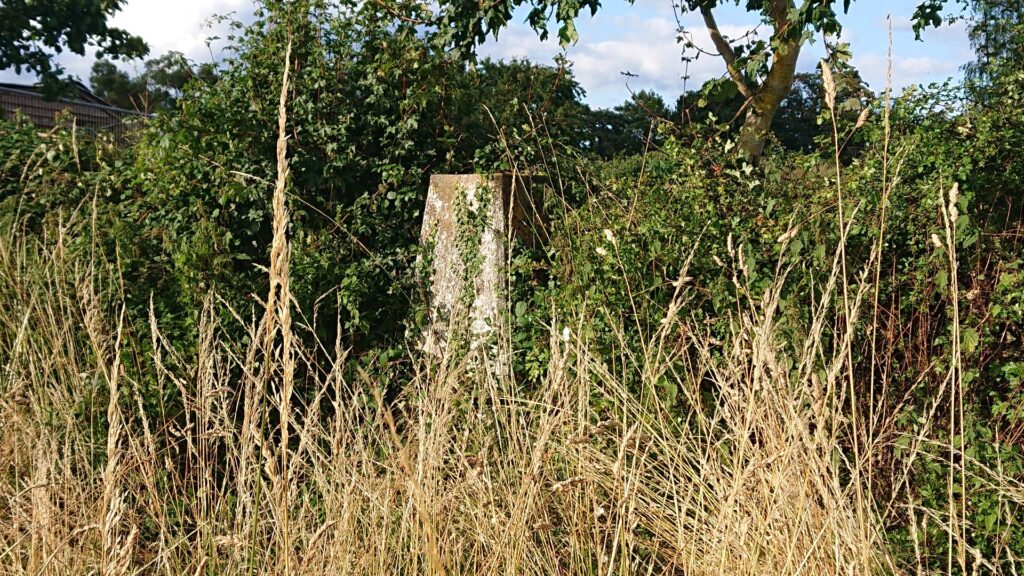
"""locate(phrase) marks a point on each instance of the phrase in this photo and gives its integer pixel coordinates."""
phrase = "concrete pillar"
(469, 222)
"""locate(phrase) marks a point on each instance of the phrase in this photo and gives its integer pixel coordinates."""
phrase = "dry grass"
(461, 475)
(761, 472)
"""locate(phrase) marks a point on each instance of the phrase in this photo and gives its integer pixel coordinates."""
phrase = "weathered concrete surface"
(470, 220)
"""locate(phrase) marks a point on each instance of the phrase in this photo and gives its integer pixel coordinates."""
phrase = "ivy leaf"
(969, 340)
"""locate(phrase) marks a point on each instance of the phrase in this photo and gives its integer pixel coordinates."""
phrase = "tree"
(716, 102)
(994, 31)
(157, 88)
(521, 99)
(32, 32)
(626, 129)
(762, 69)
(798, 124)
(112, 84)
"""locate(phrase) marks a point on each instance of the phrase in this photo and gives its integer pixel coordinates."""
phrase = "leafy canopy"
(156, 89)
(763, 70)
(469, 21)
(31, 33)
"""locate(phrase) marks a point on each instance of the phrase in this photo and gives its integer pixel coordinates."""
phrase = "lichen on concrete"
(467, 220)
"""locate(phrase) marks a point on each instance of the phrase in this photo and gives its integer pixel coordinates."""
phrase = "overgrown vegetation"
(811, 365)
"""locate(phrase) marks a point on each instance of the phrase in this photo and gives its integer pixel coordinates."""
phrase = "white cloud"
(955, 32)
(903, 23)
(181, 26)
(906, 70)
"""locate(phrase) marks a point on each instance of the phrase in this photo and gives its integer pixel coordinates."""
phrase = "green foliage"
(498, 107)
(374, 109)
(802, 123)
(363, 89)
(31, 32)
(979, 148)
(994, 35)
(156, 89)
(47, 175)
(624, 251)
(628, 129)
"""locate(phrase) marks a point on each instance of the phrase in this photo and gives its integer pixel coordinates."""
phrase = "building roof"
(89, 110)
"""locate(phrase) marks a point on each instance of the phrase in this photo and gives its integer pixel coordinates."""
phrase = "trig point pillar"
(469, 223)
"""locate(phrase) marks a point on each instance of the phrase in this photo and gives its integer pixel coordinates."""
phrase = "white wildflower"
(609, 236)
(601, 251)
(566, 333)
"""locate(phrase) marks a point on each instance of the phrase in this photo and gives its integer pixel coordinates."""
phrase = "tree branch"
(726, 52)
(778, 11)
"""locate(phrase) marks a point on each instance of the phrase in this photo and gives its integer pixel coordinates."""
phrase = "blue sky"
(638, 38)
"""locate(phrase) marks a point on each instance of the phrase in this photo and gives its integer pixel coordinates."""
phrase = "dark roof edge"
(28, 90)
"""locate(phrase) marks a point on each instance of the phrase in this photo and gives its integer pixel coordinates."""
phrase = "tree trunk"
(766, 101)
(754, 132)
(763, 99)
